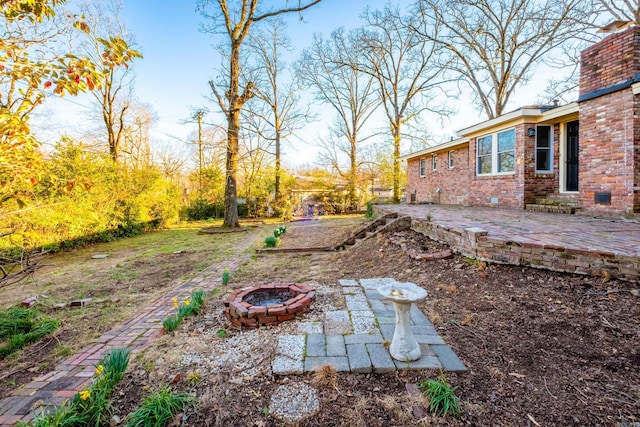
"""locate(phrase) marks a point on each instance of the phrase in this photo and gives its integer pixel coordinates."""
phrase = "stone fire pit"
(256, 306)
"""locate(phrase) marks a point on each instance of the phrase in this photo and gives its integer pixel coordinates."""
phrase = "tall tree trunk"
(396, 163)
(233, 130)
(278, 196)
(353, 174)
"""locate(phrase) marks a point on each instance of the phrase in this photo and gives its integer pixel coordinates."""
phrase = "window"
(506, 151)
(495, 154)
(451, 158)
(544, 139)
(434, 160)
(484, 155)
(423, 166)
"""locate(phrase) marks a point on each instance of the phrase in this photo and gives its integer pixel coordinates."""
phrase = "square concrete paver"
(283, 365)
(337, 322)
(364, 322)
(359, 361)
(315, 345)
(336, 346)
(340, 363)
(380, 358)
(291, 346)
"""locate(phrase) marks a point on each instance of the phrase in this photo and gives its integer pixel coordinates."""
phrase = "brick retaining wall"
(475, 243)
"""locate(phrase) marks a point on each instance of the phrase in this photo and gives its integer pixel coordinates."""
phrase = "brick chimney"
(611, 64)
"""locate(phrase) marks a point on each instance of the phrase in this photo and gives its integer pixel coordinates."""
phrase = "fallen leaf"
(177, 420)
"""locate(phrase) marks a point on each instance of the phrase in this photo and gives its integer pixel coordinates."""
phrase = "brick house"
(584, 154)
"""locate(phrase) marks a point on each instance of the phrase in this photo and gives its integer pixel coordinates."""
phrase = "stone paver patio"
(357, 339)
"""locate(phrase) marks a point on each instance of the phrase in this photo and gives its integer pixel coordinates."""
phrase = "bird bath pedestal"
(404, 346)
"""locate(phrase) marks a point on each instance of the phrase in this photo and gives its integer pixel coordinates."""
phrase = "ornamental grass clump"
(442, 398)
(159, 409)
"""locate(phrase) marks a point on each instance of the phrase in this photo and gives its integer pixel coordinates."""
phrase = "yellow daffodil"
(175, 302)
(99, 369)
(187, 302)
(84, 394)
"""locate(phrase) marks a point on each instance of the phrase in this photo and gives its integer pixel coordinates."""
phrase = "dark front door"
(571, 176)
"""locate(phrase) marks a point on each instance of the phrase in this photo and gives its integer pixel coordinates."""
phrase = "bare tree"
(409, 70)
(279, 92)
(623, 10)
(135, 147)
(350, 92)
(114, 96)
(498, 43)
(236, 22)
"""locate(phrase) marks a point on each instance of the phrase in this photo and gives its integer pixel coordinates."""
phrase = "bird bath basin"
(404, 346)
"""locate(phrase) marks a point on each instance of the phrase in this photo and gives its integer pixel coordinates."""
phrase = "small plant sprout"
(171, 323)
(271, 242)
(221, 333)
(442, 398)
(225, 276)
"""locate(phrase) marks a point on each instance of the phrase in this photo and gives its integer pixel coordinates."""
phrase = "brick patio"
(569, 243)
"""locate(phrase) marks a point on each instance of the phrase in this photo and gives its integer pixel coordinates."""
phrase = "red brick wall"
(608, 131)
(538, 185)
(611, 61)
(452, 181)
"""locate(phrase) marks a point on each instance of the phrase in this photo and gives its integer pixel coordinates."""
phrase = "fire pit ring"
(255, 306)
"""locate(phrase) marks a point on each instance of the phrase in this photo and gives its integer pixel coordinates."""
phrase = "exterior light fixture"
(531, 132)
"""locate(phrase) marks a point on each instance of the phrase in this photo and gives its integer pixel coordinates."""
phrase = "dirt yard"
(542, 348)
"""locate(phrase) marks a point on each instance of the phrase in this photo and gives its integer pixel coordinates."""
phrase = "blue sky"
(179, 60)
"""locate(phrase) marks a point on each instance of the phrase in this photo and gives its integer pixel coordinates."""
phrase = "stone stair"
(391, 222)
(554, 204)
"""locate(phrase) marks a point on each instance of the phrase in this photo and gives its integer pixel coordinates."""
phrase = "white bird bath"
(404, 346)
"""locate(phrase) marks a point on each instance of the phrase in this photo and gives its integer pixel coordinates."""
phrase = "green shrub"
(225, 276)
(370, 214)
(277, 233)
(82, 197)
(271, 242)
(159, 409)
(442, 398)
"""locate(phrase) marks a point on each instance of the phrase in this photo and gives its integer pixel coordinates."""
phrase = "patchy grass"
(137, 270)
(22, 326)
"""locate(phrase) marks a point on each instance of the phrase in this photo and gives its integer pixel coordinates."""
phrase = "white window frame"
(451, 158)
(422, 166)
(494, 153)
(550, 150)
(434, 162)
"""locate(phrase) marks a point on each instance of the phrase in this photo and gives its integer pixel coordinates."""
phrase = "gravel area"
(294, 402)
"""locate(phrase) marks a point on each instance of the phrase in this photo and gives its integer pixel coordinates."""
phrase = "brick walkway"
(74, 373)
(353, 340)
(571, 243)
